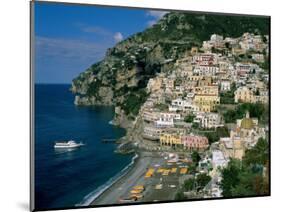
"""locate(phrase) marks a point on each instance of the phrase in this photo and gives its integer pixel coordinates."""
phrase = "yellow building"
(194, 78)
(205, 81)
(244, 94)
(206, 103)
(170, 139)
(233, 147)
(207, 89)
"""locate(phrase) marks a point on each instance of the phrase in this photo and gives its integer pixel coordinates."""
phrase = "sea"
(70, 178)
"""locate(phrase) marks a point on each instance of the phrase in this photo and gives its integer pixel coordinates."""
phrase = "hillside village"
(187, 105)
(198, 100)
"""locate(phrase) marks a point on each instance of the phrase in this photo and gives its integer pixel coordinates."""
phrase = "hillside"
(121, 77)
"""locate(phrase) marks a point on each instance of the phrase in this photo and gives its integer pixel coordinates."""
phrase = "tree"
(212, 136)
(195, 157)
(257, 110)
(202, 180)
(217, 134)
(195, 125)
(257, 93)
(230, 177)
(189, 118)
(259, 154)
(245, 186)
(246, 178)
(227, 45)
(189, 184)
(222, 131)
(180, 196)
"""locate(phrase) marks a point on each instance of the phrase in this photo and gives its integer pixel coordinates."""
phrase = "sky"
(69, 38)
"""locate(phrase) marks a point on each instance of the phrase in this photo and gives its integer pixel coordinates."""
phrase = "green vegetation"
(179, 196)
(265, 64)
(189, 184)
(161, 106)
(94, 88)
(145, 53)
(133, 102)
(195, 157)
(202, 180)
(199, 182)
(258, 155)
(217, 134)
(189, 118)
(195, 125)
(244, 178)
(193, 184)
(256, 110)
(228, 97)
(200, 27)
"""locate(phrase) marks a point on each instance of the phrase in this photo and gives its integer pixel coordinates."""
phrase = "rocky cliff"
(121, 77)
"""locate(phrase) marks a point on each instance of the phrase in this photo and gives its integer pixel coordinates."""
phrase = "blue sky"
(69, 38)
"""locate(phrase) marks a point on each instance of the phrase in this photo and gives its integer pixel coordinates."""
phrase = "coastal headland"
(195, 106)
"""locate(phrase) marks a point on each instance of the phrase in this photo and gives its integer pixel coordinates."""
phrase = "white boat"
(67, 144)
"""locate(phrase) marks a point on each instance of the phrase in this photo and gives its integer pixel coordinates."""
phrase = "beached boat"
(67, 144)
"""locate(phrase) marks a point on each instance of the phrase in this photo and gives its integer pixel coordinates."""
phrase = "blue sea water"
(66, 178)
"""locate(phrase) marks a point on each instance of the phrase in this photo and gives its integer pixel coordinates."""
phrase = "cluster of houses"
(244, 136)
(193, 89)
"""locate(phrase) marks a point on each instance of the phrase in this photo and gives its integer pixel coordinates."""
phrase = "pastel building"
(152, 133)
(208, 120)
(194, 142)
(225, 85)
(218, 159)
(232, 147)
(244, 94)
(150, 115)
(207, 89)
(205, 81)
(203, 70)
(244, 136)
(167, 119)
(206, 102)
(170, 139)
(204, 59)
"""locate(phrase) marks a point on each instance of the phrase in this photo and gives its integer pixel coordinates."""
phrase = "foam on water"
(87, 200)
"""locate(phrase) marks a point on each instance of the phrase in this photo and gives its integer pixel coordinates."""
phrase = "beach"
(120, 190)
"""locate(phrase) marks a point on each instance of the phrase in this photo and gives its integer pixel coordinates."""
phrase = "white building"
(218, 159)
(206, 70)
(258, 57)
(208, 120)
(167, 119)
(225, 85)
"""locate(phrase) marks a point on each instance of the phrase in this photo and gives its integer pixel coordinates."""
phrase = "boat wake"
(88, 199)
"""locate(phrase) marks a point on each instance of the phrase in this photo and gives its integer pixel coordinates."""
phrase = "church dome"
(247, 123)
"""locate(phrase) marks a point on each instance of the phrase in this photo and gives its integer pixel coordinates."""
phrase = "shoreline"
(121, 188)
(123, 178)
(95, 194)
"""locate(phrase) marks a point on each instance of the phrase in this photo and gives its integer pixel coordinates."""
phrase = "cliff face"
(121, 77)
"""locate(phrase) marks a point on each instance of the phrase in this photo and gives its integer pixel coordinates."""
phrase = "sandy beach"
(121, 188)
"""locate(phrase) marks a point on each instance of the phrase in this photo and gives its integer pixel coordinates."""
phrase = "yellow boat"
(139, 187)
(149, 173)
(135, 191)
(137, 196)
